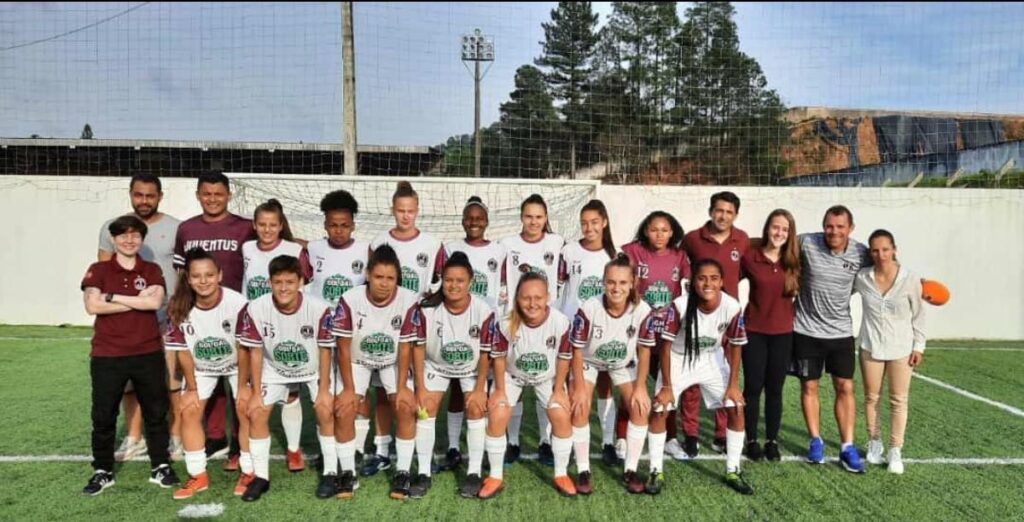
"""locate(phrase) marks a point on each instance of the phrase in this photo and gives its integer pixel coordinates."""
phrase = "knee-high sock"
(635, 436)
(404, 448)
(454, 428)
(425, 444)
(581, 446)
(382, 442)
(733, 449)
(562, 448)
(476, 435)
(291, 420)
(362, 430)
(496, 455)
(329, 451)
(195, 462)
(515, 423)
(543, 423)
(656, 448)
(260, 450)
(606, 413)
(245, 463)
(346, 455)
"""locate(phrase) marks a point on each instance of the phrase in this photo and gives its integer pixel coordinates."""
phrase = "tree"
(87, 132)
(569, 43)
(529, 123)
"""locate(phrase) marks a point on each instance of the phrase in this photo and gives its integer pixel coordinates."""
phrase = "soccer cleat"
(99, 481)
(718, 445)
(328, 486)
(736, 481)
(816, 451)
(754, 452)
(511, 454)
(491, 488)
(452, 460)
(243, 482)
(875, 452)
(771, 451)
(471, 486)
(620, 449)
(130, 448)
(584, 483)
(655, 483)
(196, 484)
(674, 450)
(609, 455)
(347, 485)
(400, 485)
(216, 448)
(256, 489)
(565, 486)
(296, 462)
(633, 483)
(691, 445)
(231, 463)
(896, 461)
(164, 476)
(420, 486)
(373, 464)
(850, 458)
(545, 455)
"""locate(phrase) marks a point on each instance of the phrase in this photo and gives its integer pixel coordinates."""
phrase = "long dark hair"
(790, 251)
(458, 260)
(597, 205)
(621, 260)
(536, 199)
(515, 316)
(384, 255)
(692, 336)
(677, 230)
(274, 206)
(184, 298)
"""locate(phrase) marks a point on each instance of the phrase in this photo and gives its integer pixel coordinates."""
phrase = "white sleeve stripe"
(325, 344)
(249, 343)
(341, 333)
(739, 341)
(175, 347)
(668, 336)
(565, 356)
(645, 342)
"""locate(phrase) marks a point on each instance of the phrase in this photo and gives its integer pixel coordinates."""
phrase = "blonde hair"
(516, 316)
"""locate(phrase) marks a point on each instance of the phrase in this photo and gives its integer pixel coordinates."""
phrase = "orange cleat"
(231, 464)
(296, 462)
(491, 488)
(194, 485)
(565, 486)
(243, 483)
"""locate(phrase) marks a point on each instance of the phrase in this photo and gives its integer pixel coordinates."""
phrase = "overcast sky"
(272, 72)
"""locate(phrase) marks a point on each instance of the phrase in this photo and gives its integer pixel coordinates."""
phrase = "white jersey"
(533, 353)
(336, 270)
(291, 343)
(452, 342)
(375, 330)
(608, 343)
(209, 335)
(256, 278)
(487, 261)
(541, 256)
(714, 330)
(581, 274)
(417, 256)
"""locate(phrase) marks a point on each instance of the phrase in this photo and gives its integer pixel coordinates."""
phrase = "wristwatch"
(109, 298)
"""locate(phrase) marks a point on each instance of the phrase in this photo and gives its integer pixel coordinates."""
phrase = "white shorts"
(385, 377)
(710, 372)
(619, 376)
(274, 393)
(206, 384)
(543, 391)
(435, 382)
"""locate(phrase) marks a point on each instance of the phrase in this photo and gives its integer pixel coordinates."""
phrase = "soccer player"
(529, 348)
(288, 335)
(581, 276)
(274, 238)
(718, 239)
(604, 334)
(892, 342)
(201, 333)
(124, 294)
(662, 274)
(145, 192)
(222, 234)
(535, 249)
(368, 325)
(446, 329)
(773, 272)
(701, 343)
(823, 329)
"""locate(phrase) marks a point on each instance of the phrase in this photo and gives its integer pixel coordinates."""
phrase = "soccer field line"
(970, 395)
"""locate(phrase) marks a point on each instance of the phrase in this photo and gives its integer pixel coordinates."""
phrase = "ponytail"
(274, 206)
(597, 205)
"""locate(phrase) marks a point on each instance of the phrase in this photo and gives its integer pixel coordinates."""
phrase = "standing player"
(662, 274)
(823, 329)
(536, 249)
(222, 234)
(368, 325)
(274, 238)
(530, 348)
(145, 192)
(447, 328)
(288, 335)
(604, 334)
(701, 342)
(201, 332)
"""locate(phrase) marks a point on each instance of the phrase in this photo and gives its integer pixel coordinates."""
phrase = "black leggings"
(765, 363)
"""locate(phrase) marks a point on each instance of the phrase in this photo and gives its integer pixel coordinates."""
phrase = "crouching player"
(289, 339)
(604, 335)
(701, 345)
(201, 330)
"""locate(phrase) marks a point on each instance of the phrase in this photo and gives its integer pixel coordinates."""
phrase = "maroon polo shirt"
(700, 245)
(769, 311)
(134, 332)
(223, 239)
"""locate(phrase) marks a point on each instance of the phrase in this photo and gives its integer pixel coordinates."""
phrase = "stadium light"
(476, 48)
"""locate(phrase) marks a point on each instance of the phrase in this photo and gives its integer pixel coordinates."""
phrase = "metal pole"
(348, 55)
(476, 121)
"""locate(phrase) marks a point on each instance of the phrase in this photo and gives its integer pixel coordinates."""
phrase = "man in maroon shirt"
(721, 241)
(124, 294)
(222, 234)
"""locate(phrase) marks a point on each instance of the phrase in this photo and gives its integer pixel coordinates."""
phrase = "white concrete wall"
(972, 240)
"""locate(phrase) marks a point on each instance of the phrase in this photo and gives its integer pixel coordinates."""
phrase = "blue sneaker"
(816, 453)
(372, 464)
(850, 458)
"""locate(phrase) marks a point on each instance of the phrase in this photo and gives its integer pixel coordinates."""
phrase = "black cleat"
(545, 455)
(328, 486)
(719, 445)
(347, 484)
(420, 486)
(609, 456)
(736, 481)
(655, 483)
(511, 454)
(754, 452)
(164, 476)
(471, 487)
(691, 446)
(771, 451)
(400, 485)
(256, 489)
(99, 481)
(452, 460)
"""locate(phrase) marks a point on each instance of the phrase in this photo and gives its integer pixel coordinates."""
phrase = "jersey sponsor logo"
(532, 364)
(492, 264)
(658, 295)
(257, 287)
(213, 352)
(706, 343)
(549, 258)
(139, 283)
(410, 279)
(290, 354)
(422, 259)
(479, 285)
(611, 352)
(396, 322)
(550, 342)
(212, 245)
(357, 267)
(457, 353)
(306, 331)
(590, 287)
(335, 286)
(378, 345)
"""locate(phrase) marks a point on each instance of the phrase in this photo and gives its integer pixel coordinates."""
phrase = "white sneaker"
(896, 461)
(620, 449)
(875, 452)
(674, 450)
(176, 450)
(130, 448)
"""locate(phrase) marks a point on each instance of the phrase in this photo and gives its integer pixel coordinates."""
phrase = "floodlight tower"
(476, 48)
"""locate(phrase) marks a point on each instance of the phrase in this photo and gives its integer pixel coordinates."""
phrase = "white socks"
(656, 447)
(476, 434)
(425, 444)
(330, 454)
(404, 448)
(733, 449)
(195, 462)
(455, 428)
(543, 423)
(245, 463)
(260, 450)
(362, 430)
(606, 414)
(347, 455)
(496, 455)
(514, 424)
(635, 436)
(382, 442)
(562, 448)
(581, 445)
(291, 420)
